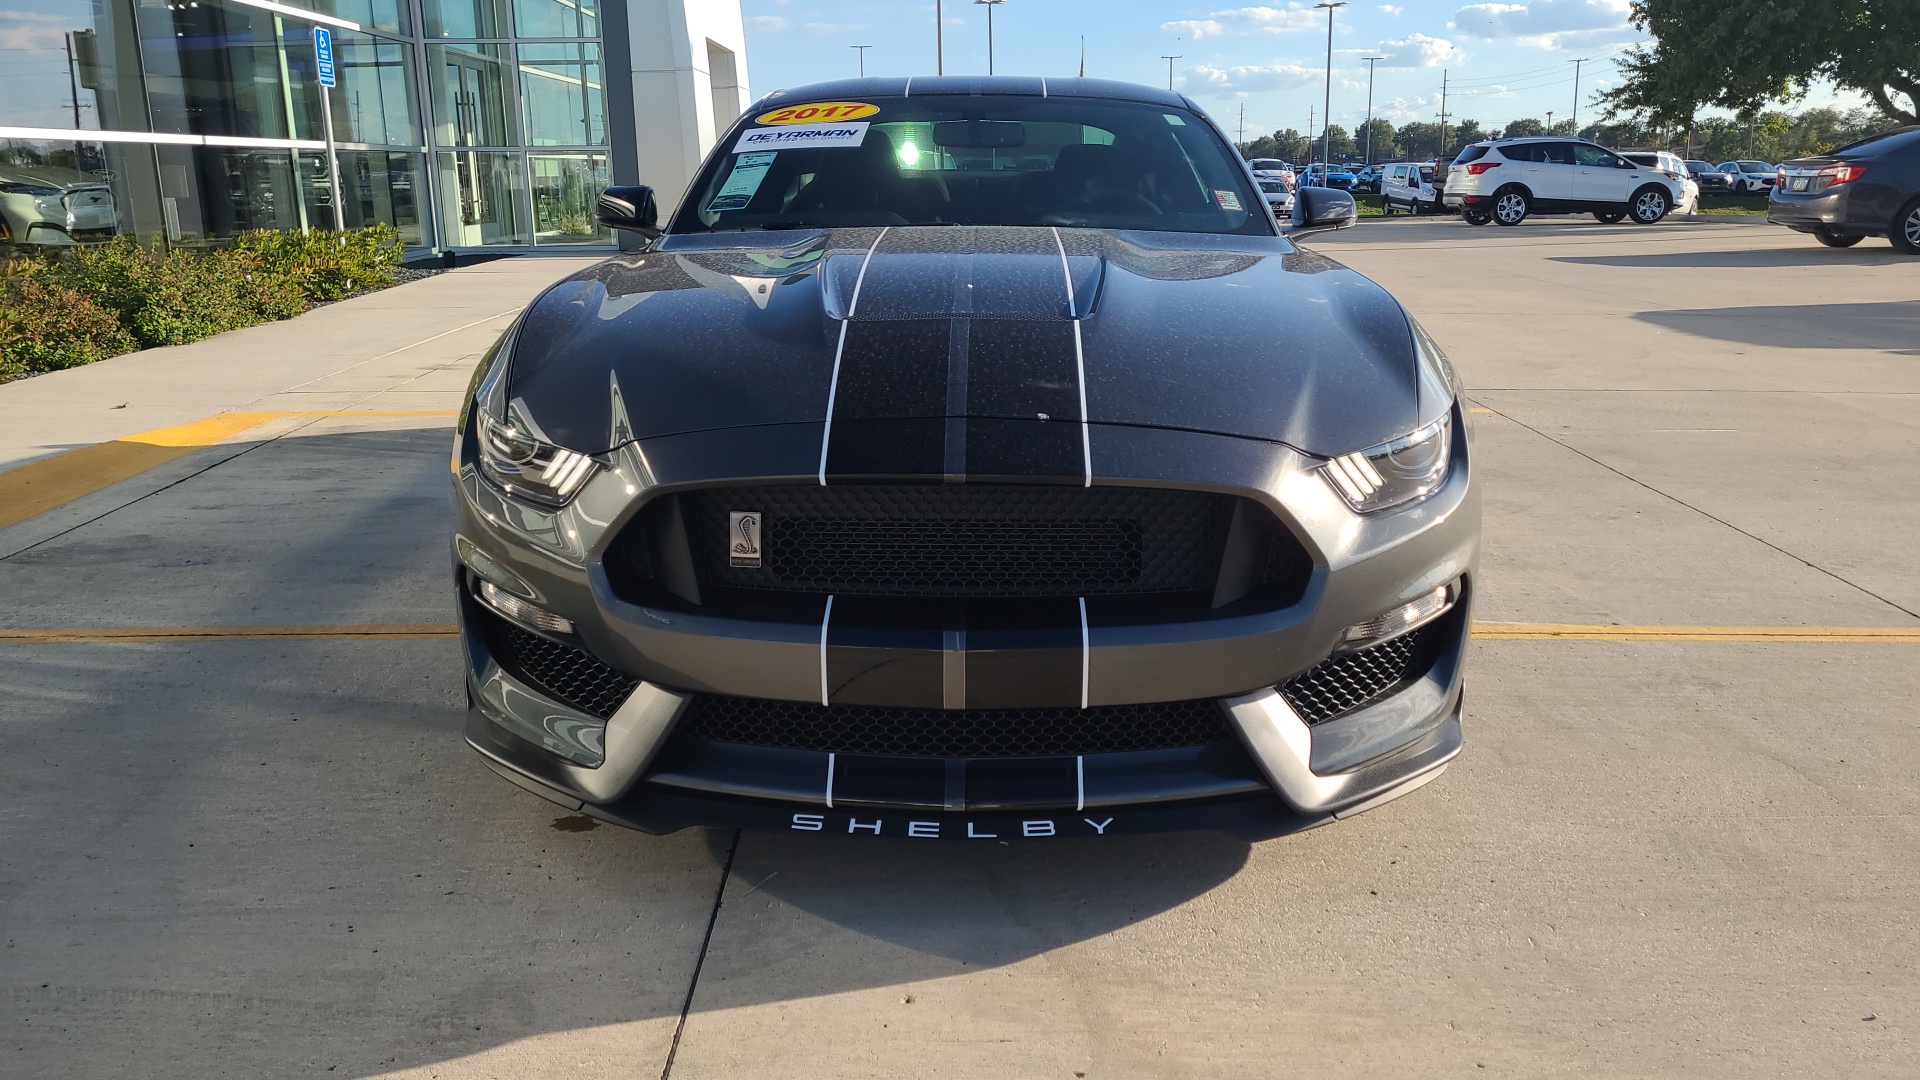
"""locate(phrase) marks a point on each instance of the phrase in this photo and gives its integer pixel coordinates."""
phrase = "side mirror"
(630, 208)
(1317, 209)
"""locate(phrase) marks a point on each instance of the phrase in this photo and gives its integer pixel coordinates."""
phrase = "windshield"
(989, 160)
(1886, 140)
(1273, 187)
(1755, 166)
(1700, 167)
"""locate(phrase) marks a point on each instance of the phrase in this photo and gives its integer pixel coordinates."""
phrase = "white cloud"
(1390, 9)
(1248, 20)
(1194, 28)
(1551, 24)
(766, 24)
(1419, 51)
(831, 28)
(1280, 75)
(33, 30)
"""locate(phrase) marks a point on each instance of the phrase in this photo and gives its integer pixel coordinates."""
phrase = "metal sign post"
(323, 63)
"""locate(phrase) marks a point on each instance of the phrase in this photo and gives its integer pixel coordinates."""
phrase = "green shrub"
(327, 265)
(77, 305)
(181, 297)
(45, 325)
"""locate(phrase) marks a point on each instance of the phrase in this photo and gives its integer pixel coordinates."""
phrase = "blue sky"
(1503, 60)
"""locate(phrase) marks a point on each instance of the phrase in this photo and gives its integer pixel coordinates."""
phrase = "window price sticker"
(748, 171)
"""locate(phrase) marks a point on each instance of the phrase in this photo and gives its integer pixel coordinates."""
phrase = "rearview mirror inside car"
(1317, 209)
(628, 207)
(979, 134)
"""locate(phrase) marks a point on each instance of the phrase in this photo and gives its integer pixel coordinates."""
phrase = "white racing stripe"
(1086, 653)
(833, 387)
(825, 618)
(1079, 363)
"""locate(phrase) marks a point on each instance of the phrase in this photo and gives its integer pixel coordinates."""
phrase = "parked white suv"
(1408, 185)
(1507, 180)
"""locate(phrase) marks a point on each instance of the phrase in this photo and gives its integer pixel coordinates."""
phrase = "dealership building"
(466, 124)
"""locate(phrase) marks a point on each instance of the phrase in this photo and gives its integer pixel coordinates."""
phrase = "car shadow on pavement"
(268, 857)
(1870, 251)
(1892, 326)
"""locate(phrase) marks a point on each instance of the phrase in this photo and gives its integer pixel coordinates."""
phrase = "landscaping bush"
(45, 326)
(326, 265)
(182, 296)
(76, 305)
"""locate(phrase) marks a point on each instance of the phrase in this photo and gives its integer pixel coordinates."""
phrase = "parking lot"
(241, 834)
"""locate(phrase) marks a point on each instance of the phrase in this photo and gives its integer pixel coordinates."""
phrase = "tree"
(1382, 147)
(1740, 56)
(1418, 140)
(1339, 145)
(1522, 128)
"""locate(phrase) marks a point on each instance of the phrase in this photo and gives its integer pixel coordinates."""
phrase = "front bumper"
(1275, 773)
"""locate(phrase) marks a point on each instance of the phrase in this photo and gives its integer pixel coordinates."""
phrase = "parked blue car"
(1319, 175)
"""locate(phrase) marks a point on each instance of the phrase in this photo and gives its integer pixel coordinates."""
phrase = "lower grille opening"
(1352, 681)
(956, 733)
(566, 673)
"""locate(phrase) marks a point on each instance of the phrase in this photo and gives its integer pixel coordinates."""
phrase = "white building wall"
(689, 61)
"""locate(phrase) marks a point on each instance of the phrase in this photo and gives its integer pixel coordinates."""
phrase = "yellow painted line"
(1482, 631)
(225, 633)
(1563, 632)
(35, 488)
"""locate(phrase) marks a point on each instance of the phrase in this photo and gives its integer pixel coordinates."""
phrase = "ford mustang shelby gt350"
(966, 458)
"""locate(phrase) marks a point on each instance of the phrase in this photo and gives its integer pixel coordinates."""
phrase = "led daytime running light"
(1406, 617)
(518, 610)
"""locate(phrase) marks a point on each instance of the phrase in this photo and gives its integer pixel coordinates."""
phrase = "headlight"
(1396, 473)
(514, 452)
(513, 455)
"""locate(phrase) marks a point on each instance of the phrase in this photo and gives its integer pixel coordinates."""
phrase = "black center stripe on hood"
(959, 354)
(959, 360)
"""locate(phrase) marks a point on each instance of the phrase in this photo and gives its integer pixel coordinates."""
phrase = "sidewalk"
(84, 442)
(404, 348)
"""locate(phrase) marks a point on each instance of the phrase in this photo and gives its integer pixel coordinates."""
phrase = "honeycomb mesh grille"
(564, 672)
(1340, 685)
(961, 733)
(966, 540)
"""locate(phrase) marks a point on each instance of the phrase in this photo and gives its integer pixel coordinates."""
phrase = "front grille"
(564, 672)
(967, 540)
(959, 733)
(1343, 684)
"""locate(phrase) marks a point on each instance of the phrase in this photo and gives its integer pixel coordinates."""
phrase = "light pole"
(1370, 62)
(1326, 127)
(990, 5)
(1170, 60)
(863, 57)
(1549, 121)
(1576, 91)
(939, 41)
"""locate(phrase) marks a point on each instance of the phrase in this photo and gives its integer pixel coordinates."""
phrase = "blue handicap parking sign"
(323, 54)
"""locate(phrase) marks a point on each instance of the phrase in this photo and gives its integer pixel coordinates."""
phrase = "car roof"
(984, 85)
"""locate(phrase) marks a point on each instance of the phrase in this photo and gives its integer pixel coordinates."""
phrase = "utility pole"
(1243, 122)
(1326, 125)
(1309, 134)
(990, 5)
(1169, 60)
(1443, 116)
(1083, 56)
(1576, 92)
(1370, 62)
(863, 57)
(939, 41)
(1549, 121)
(73, 80)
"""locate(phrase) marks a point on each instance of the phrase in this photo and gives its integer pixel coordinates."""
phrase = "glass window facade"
(463, 123)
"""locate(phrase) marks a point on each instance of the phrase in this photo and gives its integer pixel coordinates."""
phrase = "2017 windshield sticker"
(1228, 200)
(781, 138)
(817, 112)
(748, 171)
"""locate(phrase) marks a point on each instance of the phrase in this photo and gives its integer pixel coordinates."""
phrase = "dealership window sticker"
(748, 171)
(817, 112)
(802, 135)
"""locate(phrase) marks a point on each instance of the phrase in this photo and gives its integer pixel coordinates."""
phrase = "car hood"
(1241, 336)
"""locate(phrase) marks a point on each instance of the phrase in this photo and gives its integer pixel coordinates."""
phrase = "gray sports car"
(967, 458)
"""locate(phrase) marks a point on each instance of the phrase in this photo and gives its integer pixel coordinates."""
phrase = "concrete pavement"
(275, 858)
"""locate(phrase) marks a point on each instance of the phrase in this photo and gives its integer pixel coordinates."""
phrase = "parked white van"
(1408, 185)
